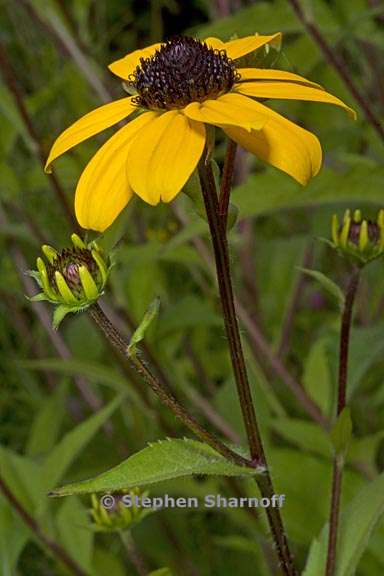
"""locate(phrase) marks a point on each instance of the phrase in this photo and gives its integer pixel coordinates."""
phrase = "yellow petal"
(164, 155)
(89, 125)
(227, 109)
(103, 189)
(282, 144)
(289, 91)
(242, 46)
(124, 67)
(214, 43)
(269, 74)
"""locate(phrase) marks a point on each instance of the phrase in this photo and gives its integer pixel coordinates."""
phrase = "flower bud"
(359, 239)
(73, 278)
(117, 512)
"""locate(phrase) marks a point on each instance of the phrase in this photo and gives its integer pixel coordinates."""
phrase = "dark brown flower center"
(373, 232)
(68, 263)
(182, 71)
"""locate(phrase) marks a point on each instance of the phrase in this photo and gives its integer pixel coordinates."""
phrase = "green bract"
(118, 512)
(359, 239)
(73, 279)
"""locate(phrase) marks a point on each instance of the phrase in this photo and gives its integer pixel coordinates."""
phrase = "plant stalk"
(220, 248)
(338, 462)
(226, 181)
(164, 395)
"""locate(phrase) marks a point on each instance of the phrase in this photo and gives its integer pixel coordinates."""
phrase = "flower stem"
(133, 553)
(165, 396)
(226, 181)
(338, 462)
(220, 248)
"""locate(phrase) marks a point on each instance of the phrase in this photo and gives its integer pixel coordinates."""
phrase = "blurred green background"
(54, 56)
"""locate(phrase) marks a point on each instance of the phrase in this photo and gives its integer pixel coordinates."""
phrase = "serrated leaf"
(356, 525)
(329, 285)
(341, 433)
(163, 460)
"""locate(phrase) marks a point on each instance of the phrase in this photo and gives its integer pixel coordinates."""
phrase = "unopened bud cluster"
(360, 239)
(118, 516)
(73, 278)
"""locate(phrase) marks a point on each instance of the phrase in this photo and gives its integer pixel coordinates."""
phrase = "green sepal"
(89, 285)
(63, 288)
(59, 314)
(77, 241)
(139, 333)
(40, 297)
(49, 252)
(341, 433)
(193, 190)
(36, 276)
(101, 265)
(210, 132)
(44, 278)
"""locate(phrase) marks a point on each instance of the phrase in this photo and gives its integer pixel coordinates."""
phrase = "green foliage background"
(69, 409)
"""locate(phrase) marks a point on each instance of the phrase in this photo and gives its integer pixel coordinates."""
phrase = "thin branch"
(336, 60)
(259, 344)
(338, 463)
(13, 86)
(68, 46)
(165, 396)
(55, 548)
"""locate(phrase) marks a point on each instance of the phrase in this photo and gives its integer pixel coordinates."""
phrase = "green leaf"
(139, 333)
(326, 283)
(161, 572)
(46, 426)
(160, 461)
(308, 436)
(356, 525)
(317, 376)
(73, 443)
(72, 521)
(14, 535)
(272, 190)
(106, 376)
(341, 433)
(188, 312)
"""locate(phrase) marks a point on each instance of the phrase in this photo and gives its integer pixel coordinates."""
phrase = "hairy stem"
(220, 248)
(165, 396)
(55, 548)
(338, 463)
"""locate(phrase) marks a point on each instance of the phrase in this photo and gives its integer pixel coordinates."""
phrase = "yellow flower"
(180, 86)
